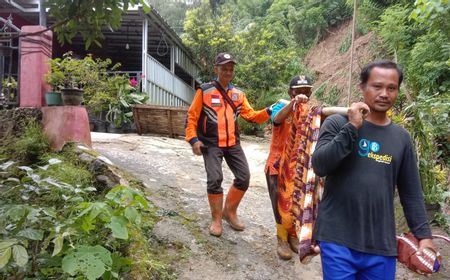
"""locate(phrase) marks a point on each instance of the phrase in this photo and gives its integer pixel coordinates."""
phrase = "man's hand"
(196, 148)
(315, 249)
(356, 113)
(301, 98)
(426, 243)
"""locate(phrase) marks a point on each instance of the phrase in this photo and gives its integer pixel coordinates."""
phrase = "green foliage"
(333, 96)
(32, 144)
(68, 228)
(429, 118)
(9, 89)
(9, 83)
(369, 11)
(54, 224)
(70, 72)
(433, 13)
(268, 66)
(427, 69)
(346, 44)
(91, 261)
(87, 18)
(66, 171)
(320, 91)
(122, 96)
(418, 37)
(103, 92)
(397, 32)
(308, 20)
(207, 34)
(173, 11)
(307, 25)
(264, 37)
(327, 96)
(337, 11)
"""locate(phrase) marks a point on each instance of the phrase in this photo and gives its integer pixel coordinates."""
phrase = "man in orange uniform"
(282, 116)
(212, 131)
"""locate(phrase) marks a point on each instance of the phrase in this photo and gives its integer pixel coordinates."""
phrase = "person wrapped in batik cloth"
(282, 121)
(308, 187)
(299, 188)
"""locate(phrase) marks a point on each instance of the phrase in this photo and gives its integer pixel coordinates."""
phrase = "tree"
(418, 36)
(173, 11)
(207, 34)
(87, 17)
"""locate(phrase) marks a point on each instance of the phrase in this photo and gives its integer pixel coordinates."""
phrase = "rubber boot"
(215, 204)
(293, 242)
(234, 197)
(283, 250)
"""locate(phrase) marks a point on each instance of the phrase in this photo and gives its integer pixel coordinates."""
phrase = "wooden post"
(351, 53)
(169, 115)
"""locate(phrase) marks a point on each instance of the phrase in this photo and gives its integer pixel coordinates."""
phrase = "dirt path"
(177, 181)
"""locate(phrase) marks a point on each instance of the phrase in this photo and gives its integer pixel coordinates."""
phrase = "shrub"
(32, 144)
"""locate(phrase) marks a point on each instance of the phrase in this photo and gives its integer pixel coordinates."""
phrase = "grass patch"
(149, 257)
(32, 144)
(345, 44)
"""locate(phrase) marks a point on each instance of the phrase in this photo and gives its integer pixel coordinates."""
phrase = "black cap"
(223, 58)
(300, 81)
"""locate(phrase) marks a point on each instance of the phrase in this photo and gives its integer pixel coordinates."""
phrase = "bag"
(427, 263)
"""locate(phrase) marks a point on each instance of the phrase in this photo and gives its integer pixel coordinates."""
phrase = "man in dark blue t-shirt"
(364, 156)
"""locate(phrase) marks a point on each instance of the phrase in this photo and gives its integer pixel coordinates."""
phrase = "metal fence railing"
(164, 88)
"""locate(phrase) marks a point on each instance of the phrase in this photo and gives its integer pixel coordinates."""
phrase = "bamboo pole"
(327, 111)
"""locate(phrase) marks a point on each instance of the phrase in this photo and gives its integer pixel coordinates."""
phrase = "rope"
(351, 54)
(162, 45)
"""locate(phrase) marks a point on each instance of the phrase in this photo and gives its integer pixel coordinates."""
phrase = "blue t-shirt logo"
(370, 150)
(374, 147)
(364, 148)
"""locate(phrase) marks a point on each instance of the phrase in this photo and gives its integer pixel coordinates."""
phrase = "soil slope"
(332, 67)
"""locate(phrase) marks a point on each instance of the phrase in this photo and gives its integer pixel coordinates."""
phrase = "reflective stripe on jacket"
(212, 120)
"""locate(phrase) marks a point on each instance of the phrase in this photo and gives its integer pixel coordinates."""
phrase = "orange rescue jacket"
(212, 120)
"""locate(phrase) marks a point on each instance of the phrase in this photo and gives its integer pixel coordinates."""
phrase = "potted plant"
(55, 79)
(70, 75)
(120, 112)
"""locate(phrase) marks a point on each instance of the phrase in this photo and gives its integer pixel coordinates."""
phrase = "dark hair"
(387, 64)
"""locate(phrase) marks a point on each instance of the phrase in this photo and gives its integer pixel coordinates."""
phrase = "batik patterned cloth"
(300, 190)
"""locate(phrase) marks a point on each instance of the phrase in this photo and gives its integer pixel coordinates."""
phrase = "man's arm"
(411, 198)
(192, 122)
(337, 139)
(249, 114)
(282, 114)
